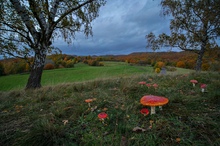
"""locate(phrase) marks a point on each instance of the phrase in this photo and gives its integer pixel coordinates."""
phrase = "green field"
(80, 73)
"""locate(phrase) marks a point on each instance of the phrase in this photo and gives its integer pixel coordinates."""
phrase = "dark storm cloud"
(120, 29)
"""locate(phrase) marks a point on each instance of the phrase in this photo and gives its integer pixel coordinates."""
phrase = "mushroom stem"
(152, 111)
(203, 90)
(160, 107)
(194, 84)
(89, 104)
(103, 121)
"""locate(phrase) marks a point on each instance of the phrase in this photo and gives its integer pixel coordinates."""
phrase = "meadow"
(81, 72)
(57, 114)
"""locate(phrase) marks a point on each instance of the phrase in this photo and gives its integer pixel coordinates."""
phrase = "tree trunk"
(200, 56)
(34, 80)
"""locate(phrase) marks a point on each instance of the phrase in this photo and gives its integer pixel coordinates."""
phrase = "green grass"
(81, 72)
(36, 117)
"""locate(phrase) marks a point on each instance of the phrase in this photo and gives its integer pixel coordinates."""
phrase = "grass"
(81, 72)
(58, 115)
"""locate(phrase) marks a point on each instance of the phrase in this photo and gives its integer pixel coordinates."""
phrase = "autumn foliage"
(159, 60)
(13, 66)
(48, 66)
(181, 64)
(157, 70)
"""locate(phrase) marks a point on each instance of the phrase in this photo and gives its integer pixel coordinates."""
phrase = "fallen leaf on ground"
(66, 108)
(65, 122)
(93, 108)
(178, 139)
(105, 109)
(138, 129)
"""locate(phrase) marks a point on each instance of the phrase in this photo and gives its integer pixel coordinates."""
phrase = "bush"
(69, 64)
(63, 63)
(101, 64)
(49, 66)
(20, 66)
(181, 64)
(153, 63)
(215, 66)
(93, 63)
(205, 66)
(8, 67)
(85, 61)
(159, 65)
(127, 61)
(13, 66)
(157, 70)
(27, 67)
(190, 64)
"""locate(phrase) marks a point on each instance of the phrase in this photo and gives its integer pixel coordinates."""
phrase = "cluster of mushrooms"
(202, 86)
(153, 101)
(148, 100)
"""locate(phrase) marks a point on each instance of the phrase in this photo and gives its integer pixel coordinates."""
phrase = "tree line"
(184, 59)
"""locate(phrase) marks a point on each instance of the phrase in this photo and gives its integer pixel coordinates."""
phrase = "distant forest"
(184, 59)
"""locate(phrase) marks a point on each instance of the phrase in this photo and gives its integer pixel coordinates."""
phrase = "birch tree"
(194, 26)
(29, 27)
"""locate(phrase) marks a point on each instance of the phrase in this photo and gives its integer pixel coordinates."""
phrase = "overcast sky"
(120, 29)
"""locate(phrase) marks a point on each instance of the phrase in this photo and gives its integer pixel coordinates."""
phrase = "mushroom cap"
(148, 85)
(194, 81)
(203, 85)
(141, 83)
(102, 115)
(88, 100)
(152, 100)
(155, 85)
(144, 111)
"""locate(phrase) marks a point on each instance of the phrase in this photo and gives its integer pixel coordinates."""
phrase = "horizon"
(2, 58)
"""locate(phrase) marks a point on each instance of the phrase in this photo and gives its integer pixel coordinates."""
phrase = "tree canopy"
(29, 27)
(194, 25)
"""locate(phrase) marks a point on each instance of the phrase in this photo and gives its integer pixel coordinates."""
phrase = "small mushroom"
(194, 82)
(102, 116)
(142, 83)
(155, 85)
(148, 85)
(153, 101)
(144, 111)
(203, 86)
(88, 101)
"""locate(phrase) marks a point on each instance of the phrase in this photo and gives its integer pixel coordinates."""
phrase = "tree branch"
(23, 13)
(15, 29)
(70, 11)
(35, 8)
(53, 11)
(16, 56)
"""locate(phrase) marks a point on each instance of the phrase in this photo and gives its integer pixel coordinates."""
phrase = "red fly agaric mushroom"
(155, 85)
(144, 111)
(142, 83)
(102, 116)
(153, 101)
(88, 101)
(194, 82)
(203, 86)
(148, 85)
